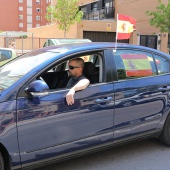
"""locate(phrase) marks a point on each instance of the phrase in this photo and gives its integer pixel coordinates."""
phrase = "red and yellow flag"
(136, 65)
(125, 26)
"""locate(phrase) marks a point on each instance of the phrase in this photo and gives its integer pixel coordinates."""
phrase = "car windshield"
(16, 69)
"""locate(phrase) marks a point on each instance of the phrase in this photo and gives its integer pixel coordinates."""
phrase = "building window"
(20, 16)
(29, 25)
(37, 18)
(29, 3)
(37, 25)
(29, 11)
(21, 25)
(83, 8)
(109, 9)
(37, 9)
(29, 19)
(109, 4)
(94, 6)
(20, 1)
(20, 8)
(37, 1)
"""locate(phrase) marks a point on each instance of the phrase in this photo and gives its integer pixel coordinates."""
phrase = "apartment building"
(20, 15)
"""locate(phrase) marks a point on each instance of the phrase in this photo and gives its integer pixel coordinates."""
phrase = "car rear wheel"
(165, 135)
(1, 162)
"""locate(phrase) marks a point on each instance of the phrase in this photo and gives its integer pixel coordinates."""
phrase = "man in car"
(77, 81)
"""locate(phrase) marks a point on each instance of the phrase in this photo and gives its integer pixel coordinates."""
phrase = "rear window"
(134, 64)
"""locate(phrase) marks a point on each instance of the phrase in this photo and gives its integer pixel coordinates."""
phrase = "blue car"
(128, 99)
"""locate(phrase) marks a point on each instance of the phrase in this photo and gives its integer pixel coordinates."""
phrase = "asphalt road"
(142, 155)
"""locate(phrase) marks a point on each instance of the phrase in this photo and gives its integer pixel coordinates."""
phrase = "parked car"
(6, 54)
(58, 41)
(128, 99)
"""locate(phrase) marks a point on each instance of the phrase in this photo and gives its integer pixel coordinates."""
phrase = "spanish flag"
(136, 65)
(125, 26)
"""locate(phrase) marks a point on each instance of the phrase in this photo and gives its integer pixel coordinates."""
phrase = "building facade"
(20, 15)
(100, 20)
(99, 23)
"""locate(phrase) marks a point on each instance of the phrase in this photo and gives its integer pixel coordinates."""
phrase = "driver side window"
(58, 76)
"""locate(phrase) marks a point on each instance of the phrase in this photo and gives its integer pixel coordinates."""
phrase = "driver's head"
(76, 67)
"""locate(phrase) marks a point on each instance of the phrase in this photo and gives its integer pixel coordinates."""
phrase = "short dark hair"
(80, 61)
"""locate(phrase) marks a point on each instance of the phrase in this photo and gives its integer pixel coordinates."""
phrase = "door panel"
(139, 106)
(140, 94)
(48, 127)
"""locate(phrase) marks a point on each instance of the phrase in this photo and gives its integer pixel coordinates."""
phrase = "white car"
(6, 54)
(58, 41)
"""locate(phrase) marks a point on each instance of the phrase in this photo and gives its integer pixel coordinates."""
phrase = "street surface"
(142, 155)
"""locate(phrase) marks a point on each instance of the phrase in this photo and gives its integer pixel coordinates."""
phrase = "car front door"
(140, 94)
(48, 127)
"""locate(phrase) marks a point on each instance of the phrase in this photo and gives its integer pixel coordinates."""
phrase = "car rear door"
(49, 128)
(141, 92)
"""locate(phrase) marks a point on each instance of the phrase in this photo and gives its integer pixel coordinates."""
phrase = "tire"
(165, 135)
(1, 162)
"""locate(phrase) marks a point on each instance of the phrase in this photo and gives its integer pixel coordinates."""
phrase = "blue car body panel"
(139, 105)
(8, 130)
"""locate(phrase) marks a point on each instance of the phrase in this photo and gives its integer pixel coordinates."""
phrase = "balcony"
(101, 14)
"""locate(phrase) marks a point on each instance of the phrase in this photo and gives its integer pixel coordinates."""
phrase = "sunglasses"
(73, 67)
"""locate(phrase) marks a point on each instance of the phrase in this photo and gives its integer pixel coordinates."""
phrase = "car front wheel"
(1, 162)
(165, 135)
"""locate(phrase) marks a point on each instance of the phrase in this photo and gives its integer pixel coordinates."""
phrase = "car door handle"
(103, 100)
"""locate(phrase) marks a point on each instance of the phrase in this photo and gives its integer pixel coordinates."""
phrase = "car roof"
(10, 49)
(98, 45)
(70, 39)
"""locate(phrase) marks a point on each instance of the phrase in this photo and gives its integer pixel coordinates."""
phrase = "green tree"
(161, 17)
(65, 13)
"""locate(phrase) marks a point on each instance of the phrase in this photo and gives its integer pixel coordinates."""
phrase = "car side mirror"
(37, 88)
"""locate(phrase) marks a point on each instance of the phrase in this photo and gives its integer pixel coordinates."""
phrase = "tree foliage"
(161, 17)
(65, 13)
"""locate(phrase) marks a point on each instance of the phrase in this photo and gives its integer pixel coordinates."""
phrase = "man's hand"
(70, 97)
(82, 84)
